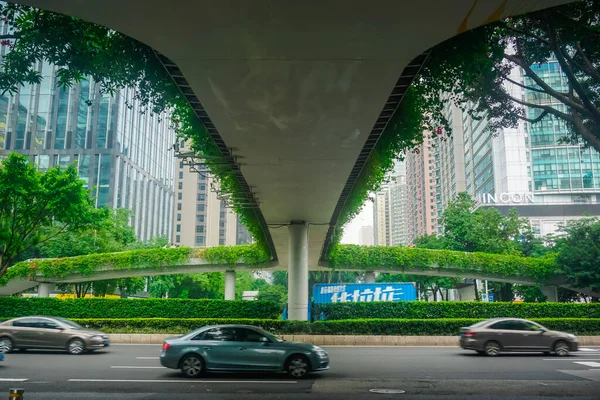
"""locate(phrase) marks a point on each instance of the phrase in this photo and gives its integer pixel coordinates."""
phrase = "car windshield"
(71, 324)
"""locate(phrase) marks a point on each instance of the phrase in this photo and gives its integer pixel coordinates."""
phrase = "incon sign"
(505, 198)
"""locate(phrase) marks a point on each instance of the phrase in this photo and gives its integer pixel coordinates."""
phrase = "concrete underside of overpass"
(294, 88)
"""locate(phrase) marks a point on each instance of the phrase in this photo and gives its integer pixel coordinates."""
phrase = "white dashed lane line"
(147, 358)
(135, 367)
(14, 379)
(593, 364)
(188, 381)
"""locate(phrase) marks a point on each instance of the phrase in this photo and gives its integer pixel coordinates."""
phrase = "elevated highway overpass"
(301, 91)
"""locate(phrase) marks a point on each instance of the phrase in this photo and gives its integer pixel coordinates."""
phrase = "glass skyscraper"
(122, 152)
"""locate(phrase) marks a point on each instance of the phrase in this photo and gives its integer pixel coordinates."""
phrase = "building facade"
(421, 190)
(382, 218)
(201, 219)
(365, 237)
(398, 206)
(527, 167)
(122, 152)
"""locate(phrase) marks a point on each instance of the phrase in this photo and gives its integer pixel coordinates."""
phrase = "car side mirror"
(264, 340)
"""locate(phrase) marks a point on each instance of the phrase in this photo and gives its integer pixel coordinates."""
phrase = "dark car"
(493, 336)
(49, 333)
(240, 348)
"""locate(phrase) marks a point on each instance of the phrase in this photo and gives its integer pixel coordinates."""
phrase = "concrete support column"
(369, 277)
(298, 272)
(44, 289)
(551, 292)
(229, 285)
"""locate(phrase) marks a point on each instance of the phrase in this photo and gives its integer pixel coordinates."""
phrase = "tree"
(474, 69)
(275, 293)
(531, 294)
(579, 252)
(36, 207)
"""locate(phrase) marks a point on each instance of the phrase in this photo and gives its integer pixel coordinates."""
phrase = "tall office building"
(201, 219)
(449, 161)
(122, 153)
(421, 186)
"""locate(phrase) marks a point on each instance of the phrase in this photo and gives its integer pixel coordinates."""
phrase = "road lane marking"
(14, 379)
(570, 359)
(588, 363)
(135, 367)
(148, 358)
(190, 381)
(587, 349)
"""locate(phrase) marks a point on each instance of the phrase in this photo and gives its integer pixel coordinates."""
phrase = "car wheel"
(297, 366)
(561, 348)
(192, 366)
(6, 345)
(76, 346)
(492, 348)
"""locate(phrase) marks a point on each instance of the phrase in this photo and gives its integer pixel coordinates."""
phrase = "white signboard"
(505, 198)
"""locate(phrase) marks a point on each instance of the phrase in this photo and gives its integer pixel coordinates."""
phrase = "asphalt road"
(133, 372)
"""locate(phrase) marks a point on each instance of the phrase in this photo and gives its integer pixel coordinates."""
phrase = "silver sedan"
(240, 348)
(493, 336)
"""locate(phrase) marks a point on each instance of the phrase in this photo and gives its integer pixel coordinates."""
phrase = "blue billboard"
(363, 292)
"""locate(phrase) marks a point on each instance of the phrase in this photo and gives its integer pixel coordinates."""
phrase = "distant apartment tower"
(398, 206)
(421, 195)
(201, 219)
(122, 152)
(366, 236)
(382, 218)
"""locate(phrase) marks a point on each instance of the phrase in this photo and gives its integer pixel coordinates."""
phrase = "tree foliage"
(579, 252)
(38, 206)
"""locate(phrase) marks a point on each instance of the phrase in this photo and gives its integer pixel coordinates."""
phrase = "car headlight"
(319, 351)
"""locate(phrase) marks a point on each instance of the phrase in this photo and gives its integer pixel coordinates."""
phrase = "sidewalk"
(337, 340)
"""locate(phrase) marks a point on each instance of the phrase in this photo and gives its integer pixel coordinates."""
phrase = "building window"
(181, 164)
(177, 239)
(200, 207)
(221, 232)
(200, 218)
(201, 197)
(221, 242)
(178, 228)
(222, 214)
(202, 187)
(180, 174)
(200, 229)
(222, 224)
(179, 196)
(178, 217)
(178, 206)
(180, 185)
(200, 239)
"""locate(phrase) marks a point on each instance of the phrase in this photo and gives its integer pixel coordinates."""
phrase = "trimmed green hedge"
(137, 308)
(400, 258)
(403, 327)
(455, 309)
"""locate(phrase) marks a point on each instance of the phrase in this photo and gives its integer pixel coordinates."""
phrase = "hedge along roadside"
(137, 308)
(155, 259)
(399, 258)
(454, 309)
(383, 327)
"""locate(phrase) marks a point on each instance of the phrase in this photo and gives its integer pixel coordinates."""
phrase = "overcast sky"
(352, 229)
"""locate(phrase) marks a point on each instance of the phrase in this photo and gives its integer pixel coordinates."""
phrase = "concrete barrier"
(336, 340)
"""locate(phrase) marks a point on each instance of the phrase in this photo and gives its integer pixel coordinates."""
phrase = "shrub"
(455, 309)
(403, 327)
(137, 308)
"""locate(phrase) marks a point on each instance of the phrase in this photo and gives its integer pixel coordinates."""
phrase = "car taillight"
(166, 346)
(470, 333)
